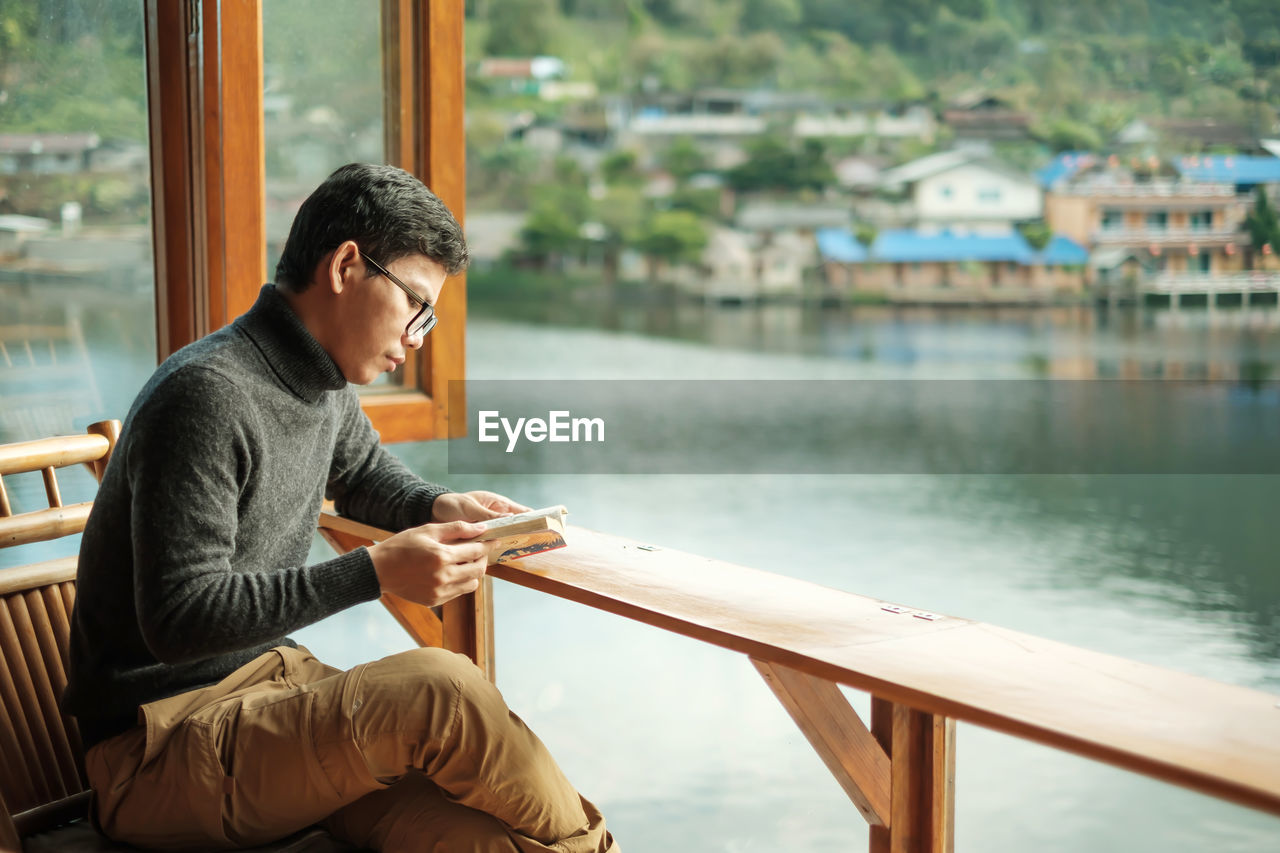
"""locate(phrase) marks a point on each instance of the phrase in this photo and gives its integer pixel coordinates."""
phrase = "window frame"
(204, 86)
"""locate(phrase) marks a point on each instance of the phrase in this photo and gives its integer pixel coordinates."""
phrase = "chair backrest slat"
(50, 677)
(41, 759)
(51, 486)
(35, 749)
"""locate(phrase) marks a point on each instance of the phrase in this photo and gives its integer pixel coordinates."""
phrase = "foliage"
(622, 168)
(549, 232)
(1037, 234)
(672, 236)
(505, 174)
(703, 202)
(1263, 224)
(1064, 134)
(773, 163)
(519, 27)
(866, 234)
(72, 66)
(683, 158)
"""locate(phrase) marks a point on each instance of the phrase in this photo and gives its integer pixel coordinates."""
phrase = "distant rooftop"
(838, 244)
(1065, 165)
(910, 246)
(771, 216)
(48, 143)
(1230, 168)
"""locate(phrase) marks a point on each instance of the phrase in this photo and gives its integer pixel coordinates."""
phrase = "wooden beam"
(176, 194)
(1220, 739)
(424, 92)
(921, 750)
(838, 735)
(442, 159)
(204, 82)
(238, 119)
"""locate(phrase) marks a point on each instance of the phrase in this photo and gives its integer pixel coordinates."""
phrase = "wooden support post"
(468, 627)
(838, 735)
(463, 625)
(921, 751)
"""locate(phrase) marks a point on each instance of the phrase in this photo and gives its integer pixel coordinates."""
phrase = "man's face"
(374, 321)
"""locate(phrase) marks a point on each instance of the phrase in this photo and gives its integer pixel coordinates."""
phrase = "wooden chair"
(44, 797)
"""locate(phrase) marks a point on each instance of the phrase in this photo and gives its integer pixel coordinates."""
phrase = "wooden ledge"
(1212, 737)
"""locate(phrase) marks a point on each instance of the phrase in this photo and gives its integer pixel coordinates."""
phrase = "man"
(205, 727)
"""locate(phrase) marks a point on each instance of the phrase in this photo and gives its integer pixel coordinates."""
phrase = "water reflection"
(680, 741)
(1078, 342)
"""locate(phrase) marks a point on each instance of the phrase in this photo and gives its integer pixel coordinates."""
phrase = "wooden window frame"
(204, 85)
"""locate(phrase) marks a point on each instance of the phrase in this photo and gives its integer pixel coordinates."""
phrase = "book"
(525, 533)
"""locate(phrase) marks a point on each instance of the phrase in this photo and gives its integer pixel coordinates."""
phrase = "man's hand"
(473, 506)
(433, 563)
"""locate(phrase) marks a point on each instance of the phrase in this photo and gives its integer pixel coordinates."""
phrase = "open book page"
(548, 518)
(527, 533)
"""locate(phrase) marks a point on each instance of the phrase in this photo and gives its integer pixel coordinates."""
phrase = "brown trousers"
(414, 752)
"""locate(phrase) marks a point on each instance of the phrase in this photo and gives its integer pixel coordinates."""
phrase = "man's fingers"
(474, 552)
(455, 531)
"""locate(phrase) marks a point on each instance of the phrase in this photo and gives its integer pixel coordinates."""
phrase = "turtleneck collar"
(297, 358)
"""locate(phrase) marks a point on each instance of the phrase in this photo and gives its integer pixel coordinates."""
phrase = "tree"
(769, 15)
(1263, 224)
(1067, 135)
(683, 158)
(622, 168)
(519, 27)
(1037, 234)
(621, 213)
(548, 234)
(554, 226)
(772, 164)
(671, 236)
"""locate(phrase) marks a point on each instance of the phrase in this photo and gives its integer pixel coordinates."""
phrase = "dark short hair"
(389, 214)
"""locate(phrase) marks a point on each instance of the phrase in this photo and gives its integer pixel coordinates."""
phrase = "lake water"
(685, 748)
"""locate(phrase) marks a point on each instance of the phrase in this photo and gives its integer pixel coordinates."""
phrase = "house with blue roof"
(951, 265)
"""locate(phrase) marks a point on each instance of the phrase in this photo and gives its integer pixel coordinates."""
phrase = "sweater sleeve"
(368, 483)
(189, 458)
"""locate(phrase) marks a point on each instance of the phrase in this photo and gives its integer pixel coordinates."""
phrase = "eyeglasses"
(425, 320)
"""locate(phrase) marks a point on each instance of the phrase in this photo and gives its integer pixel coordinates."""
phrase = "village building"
(963, 188)
(1143, 224)
(951, 266)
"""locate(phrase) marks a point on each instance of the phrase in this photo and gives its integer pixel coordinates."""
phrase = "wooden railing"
(924, 672)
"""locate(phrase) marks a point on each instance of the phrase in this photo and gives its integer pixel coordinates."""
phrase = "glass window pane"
(77, 301)
(322, 103)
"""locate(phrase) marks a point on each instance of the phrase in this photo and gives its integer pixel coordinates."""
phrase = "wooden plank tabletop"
(1216, 738)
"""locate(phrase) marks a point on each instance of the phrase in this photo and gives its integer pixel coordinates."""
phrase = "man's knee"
(429, 672)
(438, 666)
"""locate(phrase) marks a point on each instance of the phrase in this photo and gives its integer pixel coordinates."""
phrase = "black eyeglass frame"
(425, 320)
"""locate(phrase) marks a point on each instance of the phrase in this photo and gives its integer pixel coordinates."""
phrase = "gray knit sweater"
(192, 561)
